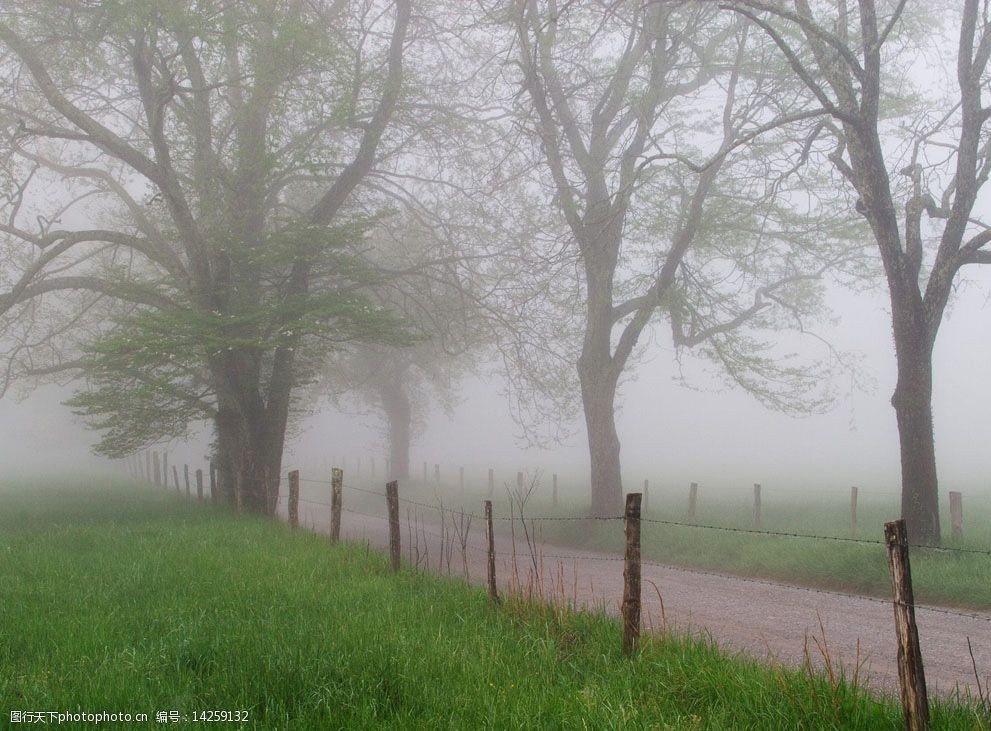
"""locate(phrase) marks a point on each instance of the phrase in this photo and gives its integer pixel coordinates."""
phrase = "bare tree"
(662, 136)
(916, 178)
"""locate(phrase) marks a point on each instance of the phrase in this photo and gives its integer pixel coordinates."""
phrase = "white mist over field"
(671, 434)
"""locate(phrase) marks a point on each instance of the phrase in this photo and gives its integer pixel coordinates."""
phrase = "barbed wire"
(705, 526)
(658, 521)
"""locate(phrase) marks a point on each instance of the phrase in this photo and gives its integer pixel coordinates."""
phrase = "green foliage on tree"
(147, 378)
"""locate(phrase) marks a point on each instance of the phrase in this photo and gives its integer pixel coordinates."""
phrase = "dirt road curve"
(766, 620)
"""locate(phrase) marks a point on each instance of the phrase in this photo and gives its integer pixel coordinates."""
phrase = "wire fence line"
(448, 469)
(596, 557)
(579, 557)
(658, 521)
(462, 512)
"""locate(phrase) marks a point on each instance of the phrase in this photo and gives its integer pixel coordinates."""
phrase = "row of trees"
(213, 210)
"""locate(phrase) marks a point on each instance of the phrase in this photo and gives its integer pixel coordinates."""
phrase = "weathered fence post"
(392, 502)
(213, 485)
(693, 496)
(199, 486)
(165, 469)
(911, 674)
(956, 514)
(646, 495)
(157, 467)
(185, 476)
(336, 497)
(491, 482)
(490, 538)
(175, 476)
(631, 574)
(294, 499)
(756, 506)
(436, 473)
(554, 490)
(853, 511)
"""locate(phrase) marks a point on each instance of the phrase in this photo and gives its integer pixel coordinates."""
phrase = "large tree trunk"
(912, 400)
(399, 414)
(598, 371)
(914, 337)
(249, 460)
(598, 400)
(251, 429)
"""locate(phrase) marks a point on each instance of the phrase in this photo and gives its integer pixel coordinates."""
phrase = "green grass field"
(120, 599)
(948, 578)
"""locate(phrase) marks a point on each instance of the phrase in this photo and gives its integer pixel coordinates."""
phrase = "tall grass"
(117, 600)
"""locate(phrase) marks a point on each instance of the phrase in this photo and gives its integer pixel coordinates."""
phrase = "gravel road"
(768, 620)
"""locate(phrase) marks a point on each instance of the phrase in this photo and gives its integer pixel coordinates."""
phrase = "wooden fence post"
(392, 502)
(213, 485)
(185, 475)
(956, 514)
(436, 473)
(294, 499)
(631, 574)
(853, 511)
(175, 476)
(554, 490)
(336, 498)
(490, 538)
(165, 469)
(157, 474)
(491, 482)
(693, 496)
(199, 486)
(911, 674)
(646, 495)
(756, 506)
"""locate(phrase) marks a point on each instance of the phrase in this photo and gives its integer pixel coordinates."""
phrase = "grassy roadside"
(113, 599)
